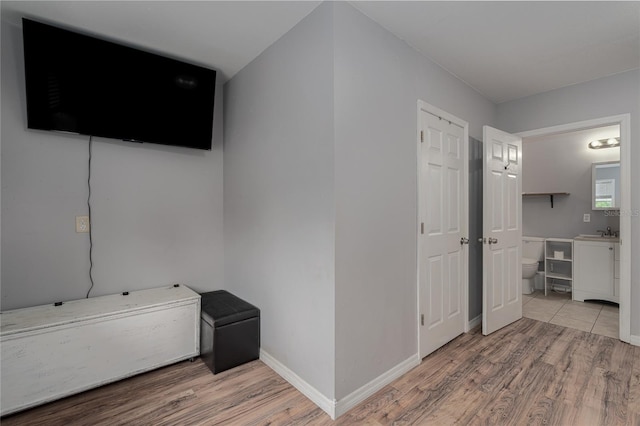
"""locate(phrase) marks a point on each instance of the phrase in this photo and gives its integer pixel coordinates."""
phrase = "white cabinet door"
(594, 271)
(616, 270)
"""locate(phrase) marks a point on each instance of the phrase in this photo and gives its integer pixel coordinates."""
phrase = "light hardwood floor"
(530, 372)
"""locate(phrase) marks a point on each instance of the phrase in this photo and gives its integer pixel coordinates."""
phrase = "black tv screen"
(81, 84)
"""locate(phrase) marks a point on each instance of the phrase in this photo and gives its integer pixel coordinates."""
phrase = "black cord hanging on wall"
(90, 219)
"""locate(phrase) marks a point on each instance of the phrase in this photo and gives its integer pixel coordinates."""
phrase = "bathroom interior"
(571, 223)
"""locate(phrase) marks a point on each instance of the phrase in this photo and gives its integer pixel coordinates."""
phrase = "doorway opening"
(575, 285)
(601, 219)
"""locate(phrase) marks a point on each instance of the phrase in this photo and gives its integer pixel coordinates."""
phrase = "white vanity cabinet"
(616, 271)
(597, 271)
(49, 352)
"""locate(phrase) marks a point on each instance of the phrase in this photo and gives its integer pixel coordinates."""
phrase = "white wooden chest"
(49, 352)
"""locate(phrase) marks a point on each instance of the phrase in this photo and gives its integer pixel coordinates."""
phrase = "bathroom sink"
(597, 237)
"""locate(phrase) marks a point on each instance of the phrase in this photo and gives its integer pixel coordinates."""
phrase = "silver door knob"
(464, 240)
(493, 240)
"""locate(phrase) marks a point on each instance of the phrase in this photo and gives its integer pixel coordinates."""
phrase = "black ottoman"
(229, 331)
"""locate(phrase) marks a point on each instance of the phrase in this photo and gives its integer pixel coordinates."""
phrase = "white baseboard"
(326, 404)
(332, 407)
(475, 322)
(356, 397)
(634, 340)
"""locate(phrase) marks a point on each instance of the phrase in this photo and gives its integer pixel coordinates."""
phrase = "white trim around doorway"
(623, 121)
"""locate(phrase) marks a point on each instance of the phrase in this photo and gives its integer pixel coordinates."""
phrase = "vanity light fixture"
(604, 143)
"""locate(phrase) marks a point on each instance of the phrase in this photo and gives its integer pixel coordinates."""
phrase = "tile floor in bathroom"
(559, 309)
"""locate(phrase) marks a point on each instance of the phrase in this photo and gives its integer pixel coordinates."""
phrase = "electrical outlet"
(586, 217)
(82, 223)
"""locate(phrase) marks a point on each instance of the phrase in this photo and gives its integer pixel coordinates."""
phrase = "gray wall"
(378, 81)
(618, 94)
(279, 196)
(320, 193)
(157, 211)
(562, 163)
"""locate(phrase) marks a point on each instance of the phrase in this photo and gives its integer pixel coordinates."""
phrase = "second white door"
(442, 232)
(502, 230)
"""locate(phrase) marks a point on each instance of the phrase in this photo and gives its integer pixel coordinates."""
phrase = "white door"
(502, 230)
(443, 218)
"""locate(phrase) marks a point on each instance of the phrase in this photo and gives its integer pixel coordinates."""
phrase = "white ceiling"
(225, 35)
(509, 50)
(505, 50)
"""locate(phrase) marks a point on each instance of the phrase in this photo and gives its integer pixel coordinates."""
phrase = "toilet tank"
(533, 248)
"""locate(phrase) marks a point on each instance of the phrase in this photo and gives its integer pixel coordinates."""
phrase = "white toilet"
(532, 253)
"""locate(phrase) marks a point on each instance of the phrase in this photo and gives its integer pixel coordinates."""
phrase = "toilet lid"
(529, 261)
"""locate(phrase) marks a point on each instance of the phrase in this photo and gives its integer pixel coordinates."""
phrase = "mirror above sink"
(605, 185)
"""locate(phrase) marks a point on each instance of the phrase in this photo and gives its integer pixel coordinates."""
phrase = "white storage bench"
(49, 352)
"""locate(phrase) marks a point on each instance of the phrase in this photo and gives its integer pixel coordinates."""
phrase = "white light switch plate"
(82, 223)
(586, 217)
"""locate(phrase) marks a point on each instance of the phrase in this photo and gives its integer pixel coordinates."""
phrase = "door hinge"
(421, 319)
(422, 228)
(421, 135)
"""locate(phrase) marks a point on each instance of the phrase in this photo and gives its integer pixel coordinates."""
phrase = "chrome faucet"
(607, 233)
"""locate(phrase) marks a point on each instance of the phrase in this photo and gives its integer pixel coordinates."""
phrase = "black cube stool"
(229, 331)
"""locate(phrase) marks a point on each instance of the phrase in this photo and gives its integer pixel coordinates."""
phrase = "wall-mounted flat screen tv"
(81, 84)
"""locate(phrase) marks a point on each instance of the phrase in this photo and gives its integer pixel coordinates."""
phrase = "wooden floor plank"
(581, 357)
(516, 398)
(547, 411)
(462, 405)
(634, 385)
(527, 373)
(376, 403)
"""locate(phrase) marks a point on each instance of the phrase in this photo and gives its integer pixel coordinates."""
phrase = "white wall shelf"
(544, 194)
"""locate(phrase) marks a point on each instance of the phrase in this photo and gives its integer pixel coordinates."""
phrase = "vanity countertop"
(597, 238)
